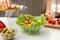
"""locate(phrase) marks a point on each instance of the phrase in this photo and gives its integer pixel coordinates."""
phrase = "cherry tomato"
(51, 21)
(27, 19)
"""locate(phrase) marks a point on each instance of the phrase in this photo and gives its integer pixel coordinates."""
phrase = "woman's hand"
(50, 14)
(5, 4)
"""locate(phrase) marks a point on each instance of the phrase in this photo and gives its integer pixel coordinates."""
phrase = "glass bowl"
(10, 33)
(31, 30)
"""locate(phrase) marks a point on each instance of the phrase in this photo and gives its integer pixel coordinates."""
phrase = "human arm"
(49, 13)
(5, 3)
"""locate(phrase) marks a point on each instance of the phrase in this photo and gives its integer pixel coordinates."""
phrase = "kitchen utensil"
(52, 26)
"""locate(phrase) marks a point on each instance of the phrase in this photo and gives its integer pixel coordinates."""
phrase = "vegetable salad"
(31, 24)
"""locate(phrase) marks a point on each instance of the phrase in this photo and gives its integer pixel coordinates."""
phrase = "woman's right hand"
(50, 14)
(5, 4)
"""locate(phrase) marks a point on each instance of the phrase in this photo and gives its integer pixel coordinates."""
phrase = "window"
(55, 6)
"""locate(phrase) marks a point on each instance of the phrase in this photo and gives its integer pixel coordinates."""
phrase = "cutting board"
(52, 26)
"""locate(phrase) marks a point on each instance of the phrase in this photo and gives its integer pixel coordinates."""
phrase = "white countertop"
(46, 33)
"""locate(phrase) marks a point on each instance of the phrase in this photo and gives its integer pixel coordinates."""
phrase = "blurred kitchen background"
(34, 7)
(56, 7)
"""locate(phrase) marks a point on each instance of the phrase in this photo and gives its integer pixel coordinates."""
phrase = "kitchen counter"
(45, 34)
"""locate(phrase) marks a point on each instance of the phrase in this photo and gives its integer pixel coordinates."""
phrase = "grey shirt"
(35, 7)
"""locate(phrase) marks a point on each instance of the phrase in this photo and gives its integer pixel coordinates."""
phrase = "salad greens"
(31, 24)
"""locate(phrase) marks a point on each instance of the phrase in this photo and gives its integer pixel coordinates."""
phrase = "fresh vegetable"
(24, 20)
(51, 21)
(31, 24)
(2, 25)
(27, 19)
(43, 18)
(58, 20)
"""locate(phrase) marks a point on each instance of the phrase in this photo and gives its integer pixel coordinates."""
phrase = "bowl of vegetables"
(31, 24)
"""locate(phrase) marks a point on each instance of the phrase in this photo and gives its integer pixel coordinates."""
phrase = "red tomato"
(28, 22)
(2, 25)
(27, 19)
(51, 21)
(58, 21)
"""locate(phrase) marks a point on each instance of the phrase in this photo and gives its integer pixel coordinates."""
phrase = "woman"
(34, 6)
